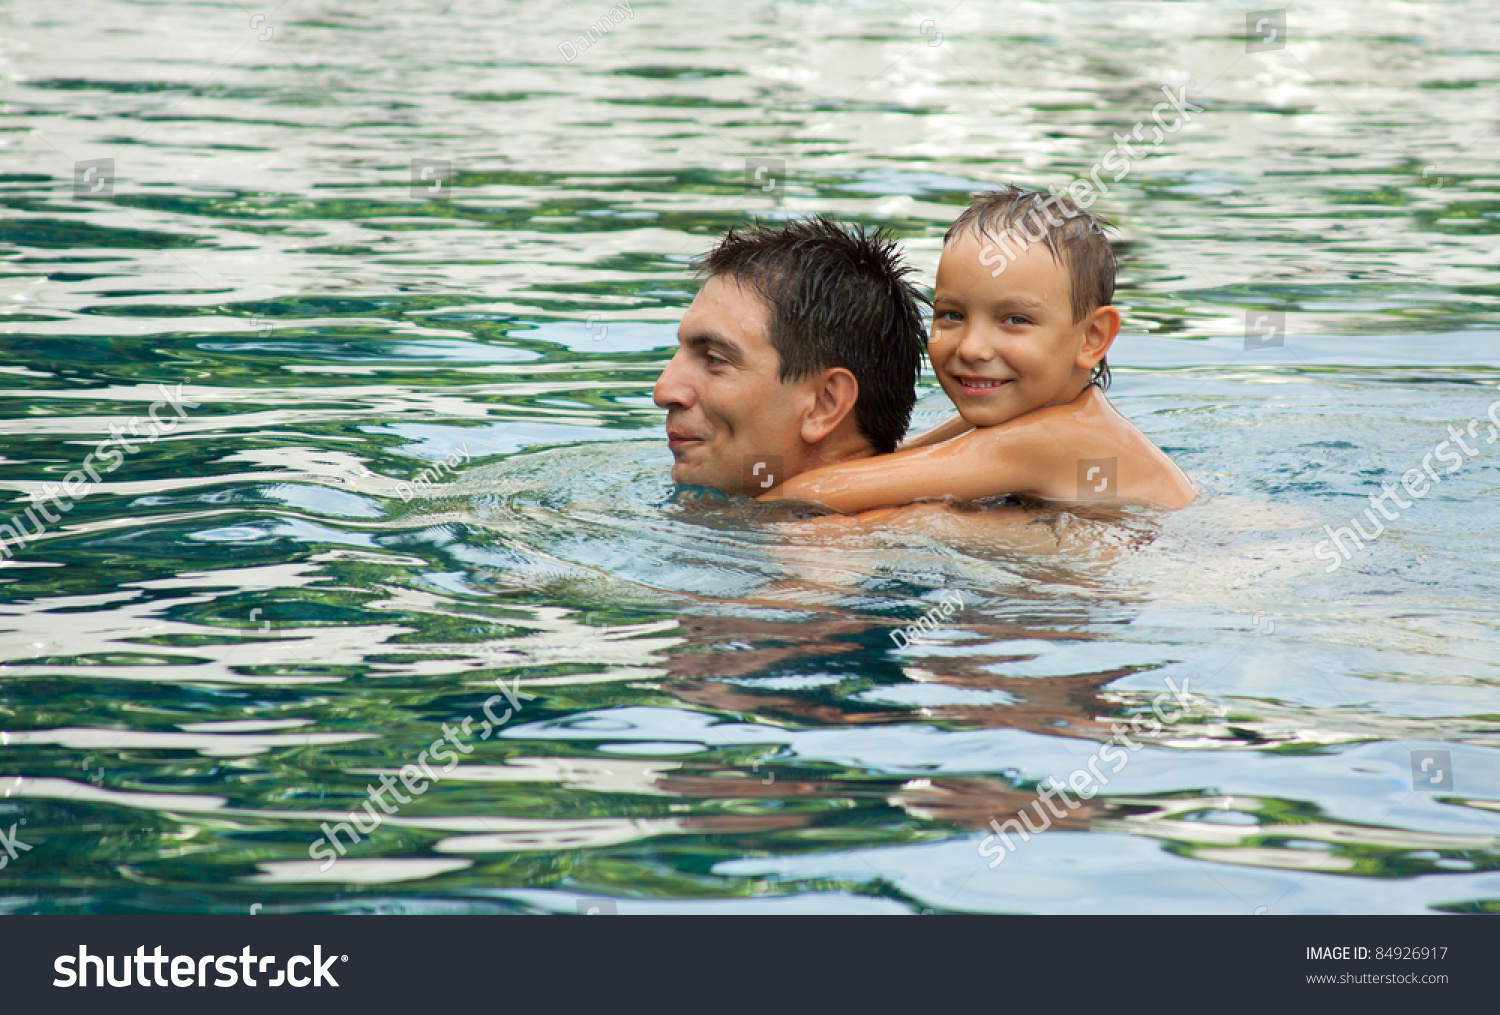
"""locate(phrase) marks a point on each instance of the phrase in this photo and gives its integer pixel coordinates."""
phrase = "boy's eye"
(951, 315)
(1015, 319)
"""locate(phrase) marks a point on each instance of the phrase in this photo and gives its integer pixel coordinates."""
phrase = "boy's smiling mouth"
(973, 385)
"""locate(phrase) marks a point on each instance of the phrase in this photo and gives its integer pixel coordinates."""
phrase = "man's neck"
(838, 447)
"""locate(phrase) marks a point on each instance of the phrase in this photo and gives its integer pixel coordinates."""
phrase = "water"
(218, 648)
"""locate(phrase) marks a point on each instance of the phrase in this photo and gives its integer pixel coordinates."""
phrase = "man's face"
(726, 410)
(1004, 345)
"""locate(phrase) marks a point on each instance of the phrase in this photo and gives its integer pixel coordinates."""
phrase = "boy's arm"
(944, 431)
(981, 463)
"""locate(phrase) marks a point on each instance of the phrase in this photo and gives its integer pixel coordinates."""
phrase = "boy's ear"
(833, 400)
(1099, 331)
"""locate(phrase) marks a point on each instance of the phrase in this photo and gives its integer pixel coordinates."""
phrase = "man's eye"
(715, 361)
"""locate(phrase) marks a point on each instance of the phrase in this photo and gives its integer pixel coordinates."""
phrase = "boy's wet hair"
(838, 297)
(1074, 236)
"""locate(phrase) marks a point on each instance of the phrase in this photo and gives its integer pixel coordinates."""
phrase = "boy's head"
(1021, 312)
(805, 342)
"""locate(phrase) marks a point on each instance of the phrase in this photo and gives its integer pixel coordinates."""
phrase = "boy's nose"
(973, 348)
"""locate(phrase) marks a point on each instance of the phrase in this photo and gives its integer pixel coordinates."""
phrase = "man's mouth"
(680, 439)
(973, 385)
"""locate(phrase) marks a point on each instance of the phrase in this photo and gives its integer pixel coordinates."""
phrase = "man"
(802, 349)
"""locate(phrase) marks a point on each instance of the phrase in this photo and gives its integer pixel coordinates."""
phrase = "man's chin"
(688, 474)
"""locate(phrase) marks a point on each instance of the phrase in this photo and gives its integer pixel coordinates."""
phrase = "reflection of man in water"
(802, 349)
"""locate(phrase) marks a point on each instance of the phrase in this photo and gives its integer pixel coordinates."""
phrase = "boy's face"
(1005, 345)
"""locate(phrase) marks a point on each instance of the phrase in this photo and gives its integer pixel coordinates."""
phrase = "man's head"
(1021, 311)
(802, 349)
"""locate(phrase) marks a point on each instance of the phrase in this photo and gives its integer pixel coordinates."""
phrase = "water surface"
(255, 617)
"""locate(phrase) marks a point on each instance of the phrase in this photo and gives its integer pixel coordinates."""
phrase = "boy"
(1021, 323)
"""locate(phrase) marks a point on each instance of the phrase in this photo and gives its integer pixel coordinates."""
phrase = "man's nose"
(671, 390)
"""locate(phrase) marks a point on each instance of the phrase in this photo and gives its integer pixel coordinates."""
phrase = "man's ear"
(833, 396)
(1099, 331)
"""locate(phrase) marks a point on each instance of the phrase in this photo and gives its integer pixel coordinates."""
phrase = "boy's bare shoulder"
(1056, 442)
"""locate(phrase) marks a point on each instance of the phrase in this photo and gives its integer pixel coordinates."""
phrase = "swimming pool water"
(260, 613)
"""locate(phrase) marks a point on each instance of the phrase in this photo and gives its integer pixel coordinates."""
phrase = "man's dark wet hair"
(838, 297)
(1075, 238)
